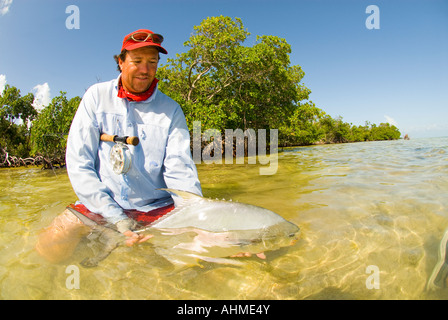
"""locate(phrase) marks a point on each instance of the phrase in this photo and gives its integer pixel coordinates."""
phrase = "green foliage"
(384, 131)
(337, 131)
(224, 84)
(302, 127)
(220, 82)
(15, 113)
(50, 129)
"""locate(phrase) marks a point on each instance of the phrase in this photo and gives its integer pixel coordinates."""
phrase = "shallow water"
(379, 205)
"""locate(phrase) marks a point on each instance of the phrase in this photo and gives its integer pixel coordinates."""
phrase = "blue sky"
(397, 73)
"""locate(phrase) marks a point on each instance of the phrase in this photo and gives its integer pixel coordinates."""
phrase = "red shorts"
(144, 218)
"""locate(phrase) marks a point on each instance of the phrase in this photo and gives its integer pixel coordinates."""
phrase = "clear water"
(380, 204)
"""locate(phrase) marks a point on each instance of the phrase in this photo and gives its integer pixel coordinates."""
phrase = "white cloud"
(2, 83)
(4, 6)
(42, 97)
(391, 121)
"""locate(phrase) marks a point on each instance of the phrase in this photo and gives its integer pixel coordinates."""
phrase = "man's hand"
(125, 227)
(133, 238)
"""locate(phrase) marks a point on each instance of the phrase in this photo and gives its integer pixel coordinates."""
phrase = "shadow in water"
(332, 293)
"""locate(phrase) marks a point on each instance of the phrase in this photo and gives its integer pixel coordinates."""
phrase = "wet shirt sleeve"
(82, 163)
(180, 171)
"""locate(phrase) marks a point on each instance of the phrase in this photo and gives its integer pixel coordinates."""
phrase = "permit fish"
(200, 228)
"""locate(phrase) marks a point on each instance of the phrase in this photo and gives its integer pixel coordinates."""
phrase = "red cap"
(131, 44)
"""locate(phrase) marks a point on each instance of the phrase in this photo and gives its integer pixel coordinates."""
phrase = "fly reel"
(120, 155)
(120, 158)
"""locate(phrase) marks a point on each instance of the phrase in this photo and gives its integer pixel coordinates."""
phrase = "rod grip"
(114, 138)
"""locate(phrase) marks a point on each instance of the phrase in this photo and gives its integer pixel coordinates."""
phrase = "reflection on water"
(380, 204)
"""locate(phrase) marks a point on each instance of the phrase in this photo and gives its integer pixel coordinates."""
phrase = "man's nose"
(144, 68)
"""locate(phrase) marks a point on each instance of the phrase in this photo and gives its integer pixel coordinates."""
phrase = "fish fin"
(87, 221)
(182, 261)
(218, 260)
(91, 223)
(110, 239)
(182, 194)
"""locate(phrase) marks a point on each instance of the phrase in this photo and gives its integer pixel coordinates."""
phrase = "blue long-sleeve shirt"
(162, 159)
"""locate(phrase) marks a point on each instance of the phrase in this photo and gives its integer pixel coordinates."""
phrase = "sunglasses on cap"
(144, 36)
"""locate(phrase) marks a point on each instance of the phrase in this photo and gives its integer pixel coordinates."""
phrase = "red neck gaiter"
(122, 93)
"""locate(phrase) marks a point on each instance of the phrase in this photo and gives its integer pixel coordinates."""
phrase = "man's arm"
(81, 158)
(179, 169)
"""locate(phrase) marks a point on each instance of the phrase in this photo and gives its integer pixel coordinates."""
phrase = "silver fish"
(213, 230)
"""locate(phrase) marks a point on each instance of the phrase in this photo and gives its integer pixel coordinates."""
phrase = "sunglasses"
(144, 36)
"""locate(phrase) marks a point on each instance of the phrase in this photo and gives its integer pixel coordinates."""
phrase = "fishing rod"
(120, 155)
(114, 138)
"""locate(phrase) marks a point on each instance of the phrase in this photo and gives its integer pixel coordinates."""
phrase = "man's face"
(139, 69)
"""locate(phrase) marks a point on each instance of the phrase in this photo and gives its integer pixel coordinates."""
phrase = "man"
(130, 105)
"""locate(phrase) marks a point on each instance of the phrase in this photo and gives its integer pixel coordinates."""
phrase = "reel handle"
(114, 138)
